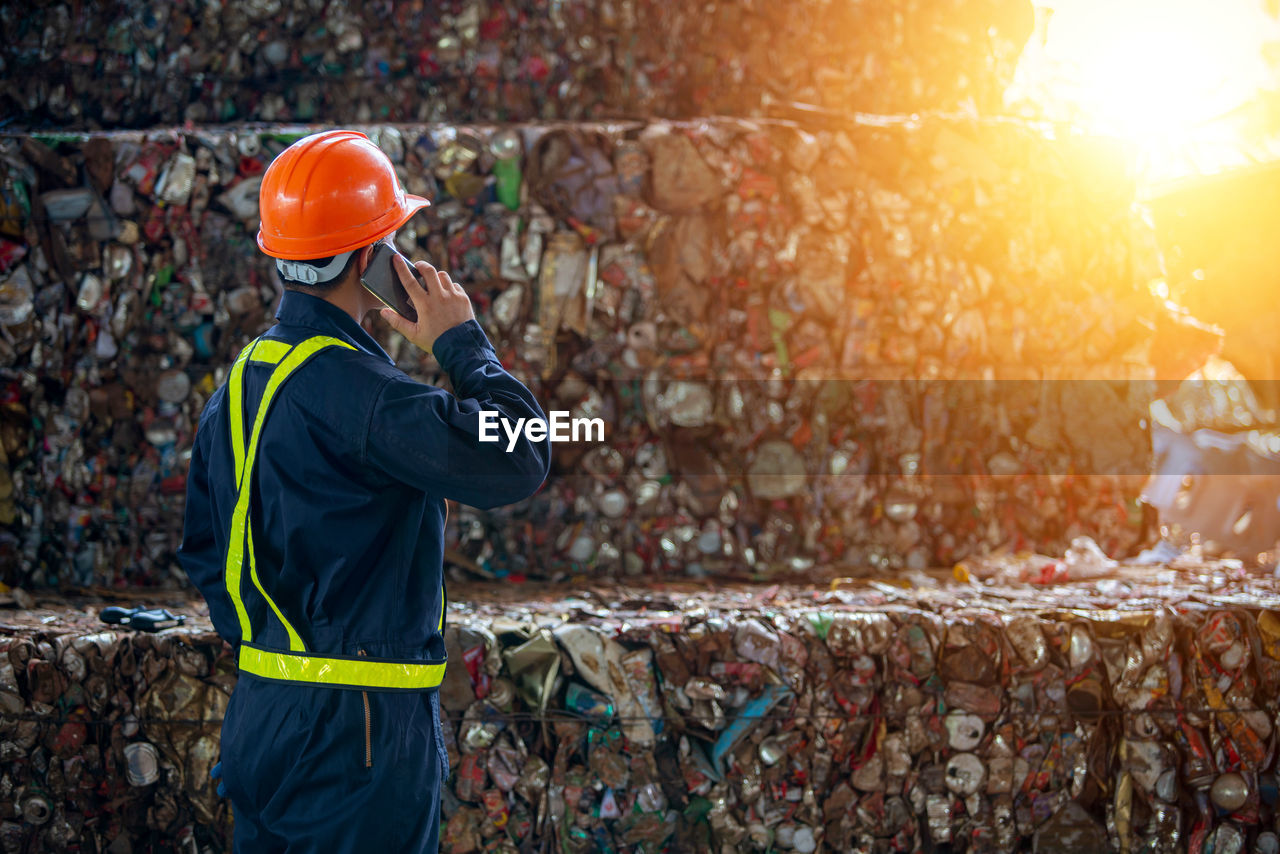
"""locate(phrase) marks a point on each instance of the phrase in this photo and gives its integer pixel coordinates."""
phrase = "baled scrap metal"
(1128, 713)
(95, 65)
(855, 721)
(780, 329)
(107, 736)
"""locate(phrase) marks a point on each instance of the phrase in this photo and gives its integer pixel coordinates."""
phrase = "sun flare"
(1164, 75)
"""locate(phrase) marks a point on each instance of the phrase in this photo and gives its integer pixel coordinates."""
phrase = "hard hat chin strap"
(307, 273)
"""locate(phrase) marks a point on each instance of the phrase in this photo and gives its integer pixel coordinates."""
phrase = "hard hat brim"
(303, 249)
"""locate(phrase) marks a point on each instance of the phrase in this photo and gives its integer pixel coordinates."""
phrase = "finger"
(412, 286)
(449, 285)
(396, 322)
(427, 277)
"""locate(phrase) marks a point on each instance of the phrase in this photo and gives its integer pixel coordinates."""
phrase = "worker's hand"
(441, 305)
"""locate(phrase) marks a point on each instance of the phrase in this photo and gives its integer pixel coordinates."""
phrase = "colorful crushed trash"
(1133, 711)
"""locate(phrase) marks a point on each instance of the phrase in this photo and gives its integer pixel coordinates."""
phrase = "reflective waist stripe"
(341, 671)
(297, 665)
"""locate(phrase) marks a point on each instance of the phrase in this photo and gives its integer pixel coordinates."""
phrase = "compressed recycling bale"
(107, 737)
(779, 329)
(1114, 714)
(99, 65)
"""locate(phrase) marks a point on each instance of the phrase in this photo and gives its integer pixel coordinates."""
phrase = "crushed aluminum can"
(964, 731)
(1229, 791)
(965, 774)
(1228, 839)
(35, 807)
(588, 703)
(142, 763)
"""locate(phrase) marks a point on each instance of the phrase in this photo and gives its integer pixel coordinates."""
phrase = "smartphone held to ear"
(381, 279)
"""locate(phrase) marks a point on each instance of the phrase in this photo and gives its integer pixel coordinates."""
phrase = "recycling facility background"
(782, 318)
(839, 314)
(736, 328)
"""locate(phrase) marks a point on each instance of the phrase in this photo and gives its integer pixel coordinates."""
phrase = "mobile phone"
(381, 279)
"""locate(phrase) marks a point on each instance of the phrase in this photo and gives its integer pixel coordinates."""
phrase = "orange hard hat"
(329, 193)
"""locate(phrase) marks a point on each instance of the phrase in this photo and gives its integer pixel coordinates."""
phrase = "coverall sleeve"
(200, 555)
(430, 439)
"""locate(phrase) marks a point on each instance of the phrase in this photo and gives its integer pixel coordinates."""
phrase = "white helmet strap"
(307, 273)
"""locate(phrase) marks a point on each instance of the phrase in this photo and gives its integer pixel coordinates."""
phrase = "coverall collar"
(299, 309)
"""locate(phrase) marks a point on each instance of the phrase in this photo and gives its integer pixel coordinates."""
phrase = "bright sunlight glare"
(1158, 73)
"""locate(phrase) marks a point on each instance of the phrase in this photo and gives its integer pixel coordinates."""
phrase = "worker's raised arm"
(452, 444)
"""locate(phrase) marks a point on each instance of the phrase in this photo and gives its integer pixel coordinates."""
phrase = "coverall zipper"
(368, 726)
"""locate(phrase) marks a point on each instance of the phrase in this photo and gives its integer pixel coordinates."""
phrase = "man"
(315, 518)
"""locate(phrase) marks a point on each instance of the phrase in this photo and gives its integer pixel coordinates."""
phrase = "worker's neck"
(351, 298)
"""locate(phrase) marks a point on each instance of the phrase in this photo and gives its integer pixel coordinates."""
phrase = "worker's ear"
(362, 262)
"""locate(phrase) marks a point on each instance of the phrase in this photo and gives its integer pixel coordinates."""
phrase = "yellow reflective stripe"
(235, 394)
(440, 628)
(295, 641)
(340, 672)
(240, 515)
(266, 350)
(270, 351)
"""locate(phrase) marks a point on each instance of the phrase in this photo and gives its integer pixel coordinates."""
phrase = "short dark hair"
(320, 287)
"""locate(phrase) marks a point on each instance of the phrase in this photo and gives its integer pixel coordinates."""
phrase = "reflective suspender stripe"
(295, 358)
(235, 400)
(270, 351)
(263, 350)
(295, 642)
(340, 671)
(443, 603)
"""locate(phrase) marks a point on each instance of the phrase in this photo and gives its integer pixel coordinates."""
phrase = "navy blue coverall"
(346, 510)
